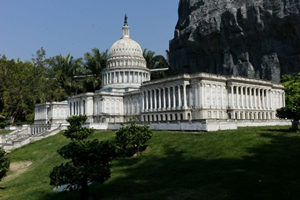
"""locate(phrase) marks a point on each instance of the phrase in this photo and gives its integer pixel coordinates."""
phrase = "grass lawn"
(5, 131)
(248, 163)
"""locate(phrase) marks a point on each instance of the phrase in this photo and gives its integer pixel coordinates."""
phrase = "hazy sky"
(77, 26)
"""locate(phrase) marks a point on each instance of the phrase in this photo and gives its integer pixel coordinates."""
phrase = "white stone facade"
(208, 96)
(177, 101)
(51, 113)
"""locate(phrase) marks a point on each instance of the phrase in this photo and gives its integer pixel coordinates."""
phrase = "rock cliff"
(251, 38)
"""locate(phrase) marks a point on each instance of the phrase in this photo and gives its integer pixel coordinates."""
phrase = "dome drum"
(122, 78)
(126, 63)
(126, 67)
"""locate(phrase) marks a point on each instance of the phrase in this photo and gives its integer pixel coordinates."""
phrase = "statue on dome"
(125, 20)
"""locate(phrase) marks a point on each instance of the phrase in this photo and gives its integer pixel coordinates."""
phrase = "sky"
(77, 26)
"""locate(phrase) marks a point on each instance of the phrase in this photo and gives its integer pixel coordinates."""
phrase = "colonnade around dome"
(125, 76)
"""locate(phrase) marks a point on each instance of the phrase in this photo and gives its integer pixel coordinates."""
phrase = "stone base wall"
(199, 125)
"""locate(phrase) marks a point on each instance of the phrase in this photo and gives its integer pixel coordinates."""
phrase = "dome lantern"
(125, 27)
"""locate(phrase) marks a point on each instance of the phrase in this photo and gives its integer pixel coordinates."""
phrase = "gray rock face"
(250, 38)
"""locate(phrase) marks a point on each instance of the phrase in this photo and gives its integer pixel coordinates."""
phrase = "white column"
(123, 77)
(147, 101)
(151, 100)
(250, 98)
(133, 76)
(255, 99)
(204, 95)
(164, 98)
(184, 96)
(179, 97)
(246, 99)
(174, 99)
(210, 94)
(159, 98)
(71, 108)
(169, 97)
(141, 77)
(232, 105)
(283, 98)
(143, 101)
(217, 95)
(237, 97)
(242, 97)
(280, 99)
(200, 95)
(222, 96)
(155, 99)
(263, 98)
(272, 99)
(196, 97)
(268, 99)
(259, 102)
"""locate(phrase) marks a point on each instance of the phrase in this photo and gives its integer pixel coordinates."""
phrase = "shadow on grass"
(282, 130)
(130, 152)
(270, 172)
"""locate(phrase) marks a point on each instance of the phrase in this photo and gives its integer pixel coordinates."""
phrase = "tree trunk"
(13, 117)
(12, 120)
(295, 125)
(84, 192)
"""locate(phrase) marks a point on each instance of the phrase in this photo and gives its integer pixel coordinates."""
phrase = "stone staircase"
(26, 134)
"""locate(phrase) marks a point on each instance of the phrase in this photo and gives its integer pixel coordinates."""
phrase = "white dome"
(126, 53)
(125, 47)
(126, 66)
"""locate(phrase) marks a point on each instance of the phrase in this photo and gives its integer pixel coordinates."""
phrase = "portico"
(207, 96)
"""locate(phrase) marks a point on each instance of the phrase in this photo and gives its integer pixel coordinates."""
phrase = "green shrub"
(132, 135)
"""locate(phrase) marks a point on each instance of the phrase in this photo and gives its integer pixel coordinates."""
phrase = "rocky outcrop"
(251, 38)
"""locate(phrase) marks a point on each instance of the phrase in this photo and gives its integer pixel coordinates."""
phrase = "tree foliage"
(95, 62)
(4, 164)
(64, 70)
(88, 160)
(21, 86)
(133, 136)
(292, 100)
(155, 62)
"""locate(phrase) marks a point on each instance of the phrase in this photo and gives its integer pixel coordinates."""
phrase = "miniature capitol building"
(127, 92)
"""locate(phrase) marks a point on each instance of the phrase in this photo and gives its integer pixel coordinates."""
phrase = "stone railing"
(26, 134)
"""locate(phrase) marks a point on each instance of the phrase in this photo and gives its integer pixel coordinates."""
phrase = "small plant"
(4, 123)
(88, 161)
(4, 164)
(132, 135)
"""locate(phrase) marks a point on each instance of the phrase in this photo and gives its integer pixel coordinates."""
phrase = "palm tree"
(65, 70)
(149, 55)
(155, 62)
(95, 62)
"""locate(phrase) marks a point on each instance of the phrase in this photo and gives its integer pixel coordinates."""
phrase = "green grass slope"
(248, 163)
(4, 131)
